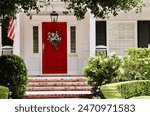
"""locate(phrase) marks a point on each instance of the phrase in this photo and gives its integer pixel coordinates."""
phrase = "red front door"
(54, 59)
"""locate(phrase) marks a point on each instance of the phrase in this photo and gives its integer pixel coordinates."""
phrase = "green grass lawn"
(141, 97)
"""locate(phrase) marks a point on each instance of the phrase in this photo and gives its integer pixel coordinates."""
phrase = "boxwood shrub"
(4, 92)
(126, 89)
(13, 74)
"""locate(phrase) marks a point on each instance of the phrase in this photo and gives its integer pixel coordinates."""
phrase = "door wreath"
(54, 38)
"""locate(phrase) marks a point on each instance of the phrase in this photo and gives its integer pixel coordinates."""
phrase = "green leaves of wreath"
(54, 38)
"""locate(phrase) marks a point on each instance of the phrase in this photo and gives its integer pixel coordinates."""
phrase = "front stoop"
(57, 87)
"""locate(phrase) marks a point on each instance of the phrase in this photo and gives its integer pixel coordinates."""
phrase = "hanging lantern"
(54, 16)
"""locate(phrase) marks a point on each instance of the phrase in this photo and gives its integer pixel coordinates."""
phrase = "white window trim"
(69, 39)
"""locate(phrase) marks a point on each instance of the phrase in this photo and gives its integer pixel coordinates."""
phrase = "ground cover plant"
(4, 92)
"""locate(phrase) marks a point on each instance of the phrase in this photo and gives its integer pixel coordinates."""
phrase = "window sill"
(73, 54)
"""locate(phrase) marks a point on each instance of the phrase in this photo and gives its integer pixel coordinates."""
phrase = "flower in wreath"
(54, 38)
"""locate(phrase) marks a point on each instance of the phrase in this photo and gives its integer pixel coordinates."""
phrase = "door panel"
(54, 60)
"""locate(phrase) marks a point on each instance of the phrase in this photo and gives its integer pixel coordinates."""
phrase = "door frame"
(28, 46)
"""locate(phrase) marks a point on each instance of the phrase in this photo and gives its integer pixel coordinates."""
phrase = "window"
(73, 39)
(101, 33)
(35, 39)
(143, 34)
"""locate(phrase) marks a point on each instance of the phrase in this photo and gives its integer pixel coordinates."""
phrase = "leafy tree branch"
(102, 8)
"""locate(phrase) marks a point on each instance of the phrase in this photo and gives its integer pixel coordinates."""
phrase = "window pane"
(73, 39)
(101, 33)
(35, 39)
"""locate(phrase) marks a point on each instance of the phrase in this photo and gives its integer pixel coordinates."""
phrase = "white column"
(16, 45)
(92, 34)
(0, 40)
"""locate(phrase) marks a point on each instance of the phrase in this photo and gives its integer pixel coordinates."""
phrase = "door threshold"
(55, 75)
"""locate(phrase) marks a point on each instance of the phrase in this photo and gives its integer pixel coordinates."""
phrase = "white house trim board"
(28, 37)
(136, 33)
(92, 29)
(16, 46)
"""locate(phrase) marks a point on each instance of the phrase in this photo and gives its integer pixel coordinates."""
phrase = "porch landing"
(49, 87)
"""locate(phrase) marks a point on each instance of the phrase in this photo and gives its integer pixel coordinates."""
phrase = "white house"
(79, 39)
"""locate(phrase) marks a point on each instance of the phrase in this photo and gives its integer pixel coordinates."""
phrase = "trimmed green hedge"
(4, 92)
(125, 90)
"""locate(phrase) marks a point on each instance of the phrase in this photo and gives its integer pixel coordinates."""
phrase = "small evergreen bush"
(101, 70)
(4, 92)
(13, 74)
